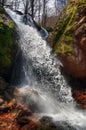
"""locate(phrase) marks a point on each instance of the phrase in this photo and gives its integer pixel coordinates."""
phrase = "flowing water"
(41, 72)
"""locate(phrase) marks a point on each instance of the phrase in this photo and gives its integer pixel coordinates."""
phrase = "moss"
(67, 49)
(11, 25)
(1, 21)
(64, 49)
(2, 11)
(49, 29)
(7, 45)
(64, 30)
(59, 49)
(68, 38)
(6, 61)
(61, 25)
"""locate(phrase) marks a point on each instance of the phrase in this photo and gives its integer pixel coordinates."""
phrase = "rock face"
(8, 48)
(69, 38)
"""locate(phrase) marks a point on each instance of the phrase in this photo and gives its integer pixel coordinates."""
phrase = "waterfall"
(42, 73)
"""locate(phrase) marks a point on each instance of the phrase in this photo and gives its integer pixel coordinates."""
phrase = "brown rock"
(74, 66)
(3, 84)
(1, 101)
(25, 127)
(83, 44)
(12, 103)
(80, 97)
(4, 108)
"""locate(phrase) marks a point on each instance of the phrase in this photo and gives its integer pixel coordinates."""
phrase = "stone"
(3, 84)
(80, 97)
(83, 44)
(1, 101)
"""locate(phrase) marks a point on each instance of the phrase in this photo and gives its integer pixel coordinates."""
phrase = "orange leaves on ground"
(8, 122)
(80, 96)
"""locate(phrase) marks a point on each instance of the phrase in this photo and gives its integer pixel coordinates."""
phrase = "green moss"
(68, 38)
(7, 46)
(2, 11)
(81, 1)
(6, 33)
(6, 61)
(11, 25)
(64, 49)
(61, 25)
(1, 21)
(67, 49)
(64, 30)
(59, 49)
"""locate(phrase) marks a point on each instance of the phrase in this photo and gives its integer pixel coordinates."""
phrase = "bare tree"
(29, 7)
(59, 4)
(39, 11)
(2, 2)
(32, 8)
(44, 16)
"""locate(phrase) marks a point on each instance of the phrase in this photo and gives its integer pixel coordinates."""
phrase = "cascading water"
(42, 74)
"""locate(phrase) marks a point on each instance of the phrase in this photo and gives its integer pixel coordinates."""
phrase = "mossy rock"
(8, 47)
(69, 38)
(64, 31)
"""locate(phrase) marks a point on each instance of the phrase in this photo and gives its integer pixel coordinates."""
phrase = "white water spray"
(42, 73)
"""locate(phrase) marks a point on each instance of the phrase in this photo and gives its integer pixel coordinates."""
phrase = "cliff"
(69, 38)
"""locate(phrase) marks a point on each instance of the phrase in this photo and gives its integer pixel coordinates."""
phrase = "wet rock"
(4, 108)
(3, 84)
(1, 101)
(83, 44)
(26, 127)
(46, 120)
(47, 123)
(30, 97)
(7, 106)
(23, 117)
(62, 125)
(31, 126)
(23, 120)
(7, 95)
